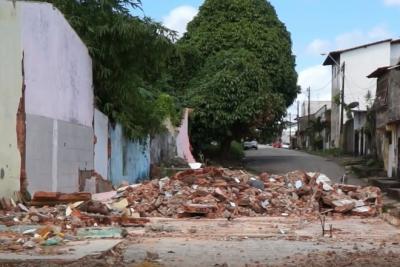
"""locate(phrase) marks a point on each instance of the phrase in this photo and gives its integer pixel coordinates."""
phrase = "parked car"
(250, 145)
(277, 145)
(285, 145)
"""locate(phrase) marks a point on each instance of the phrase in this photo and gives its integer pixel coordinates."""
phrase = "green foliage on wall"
(130, 61)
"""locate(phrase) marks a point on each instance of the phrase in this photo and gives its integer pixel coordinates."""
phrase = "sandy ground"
(264, 242)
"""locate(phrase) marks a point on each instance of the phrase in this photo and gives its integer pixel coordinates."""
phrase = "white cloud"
(392, 2)
(179, 17)
(358, 37)
(318, 46)
(349, 39)
(319, 79)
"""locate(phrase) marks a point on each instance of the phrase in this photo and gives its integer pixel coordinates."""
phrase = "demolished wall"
(58, 98)
(130, 159)
(182, 140)
(11, 83)
(163, 145)
(47, 108)
(101, 144)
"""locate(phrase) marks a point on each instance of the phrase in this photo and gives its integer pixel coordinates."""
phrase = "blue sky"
(316, 26)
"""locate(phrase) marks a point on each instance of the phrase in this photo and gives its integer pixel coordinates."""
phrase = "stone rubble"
(52, 219)
(217, 192)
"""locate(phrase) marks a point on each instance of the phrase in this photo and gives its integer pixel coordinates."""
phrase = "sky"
(316, 27)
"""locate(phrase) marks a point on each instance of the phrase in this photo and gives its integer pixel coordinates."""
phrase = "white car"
(286, 146)
(250, 145)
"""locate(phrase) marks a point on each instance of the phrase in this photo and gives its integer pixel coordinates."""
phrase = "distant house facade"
(350, 68)
(323, 118)
(314, 106)
(305, 133)
(387, 110)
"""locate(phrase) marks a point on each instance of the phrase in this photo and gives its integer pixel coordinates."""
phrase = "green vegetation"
(130, 62)
(234, 66)
(212, 152)
(238, 69)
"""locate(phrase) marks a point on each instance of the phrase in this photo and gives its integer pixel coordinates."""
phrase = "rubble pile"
(216, 192)
(55, 218)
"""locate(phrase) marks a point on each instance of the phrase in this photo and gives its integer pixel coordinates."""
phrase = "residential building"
(387, 110)
(305, 122)
(314, 106)
(288, 134)
(350, 68)
(323, 118)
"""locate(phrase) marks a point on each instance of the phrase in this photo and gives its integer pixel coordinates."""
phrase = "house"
(387, 112)
(302, 136)
(46, 104)
(305, 137)
(314, 106)
(323, 119)
(350, 68)
(288, 134)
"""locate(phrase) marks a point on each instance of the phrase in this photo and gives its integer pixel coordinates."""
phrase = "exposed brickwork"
(21, 134)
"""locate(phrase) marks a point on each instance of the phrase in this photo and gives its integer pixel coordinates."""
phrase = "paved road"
(278, 161)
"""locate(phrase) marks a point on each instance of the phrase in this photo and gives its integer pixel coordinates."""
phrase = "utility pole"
(309, 115)
(342, 101)
(290, 127)
(298, 124)
(309, 105)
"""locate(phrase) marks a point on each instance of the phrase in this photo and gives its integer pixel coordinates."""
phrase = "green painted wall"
(10, 94)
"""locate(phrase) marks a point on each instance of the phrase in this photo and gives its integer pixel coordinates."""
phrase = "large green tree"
(130, 59)
(244, 73)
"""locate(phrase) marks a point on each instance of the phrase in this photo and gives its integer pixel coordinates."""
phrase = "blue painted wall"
(130, 160)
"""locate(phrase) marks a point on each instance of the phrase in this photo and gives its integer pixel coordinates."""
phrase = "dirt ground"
(266, 241)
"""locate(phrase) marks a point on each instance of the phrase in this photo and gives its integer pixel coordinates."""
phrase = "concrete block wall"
(130, 160)
(182, 140)
(11, 82)
(163, 146)
(58, 100)
(42, 54)
(56, 151)
(101, 145)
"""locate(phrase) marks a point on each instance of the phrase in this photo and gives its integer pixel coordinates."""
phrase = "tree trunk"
(225, 147)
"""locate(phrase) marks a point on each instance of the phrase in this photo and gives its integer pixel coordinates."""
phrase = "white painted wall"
(395, 54)
(101, 146)
(10, 94)
(59, 71)
(58, 99)
(359, 64)
(314, 106)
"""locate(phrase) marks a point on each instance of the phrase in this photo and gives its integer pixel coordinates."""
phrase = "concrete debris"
(213, 192)
(52, 219)
(54, 198)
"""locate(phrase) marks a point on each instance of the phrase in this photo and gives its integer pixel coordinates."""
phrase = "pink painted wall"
(59, 76)
(182, 140)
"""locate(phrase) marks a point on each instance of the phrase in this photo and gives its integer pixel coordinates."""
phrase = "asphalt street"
(280, 161)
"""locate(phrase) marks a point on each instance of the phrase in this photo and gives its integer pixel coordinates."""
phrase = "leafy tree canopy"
(130, 57)
(244, 76)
